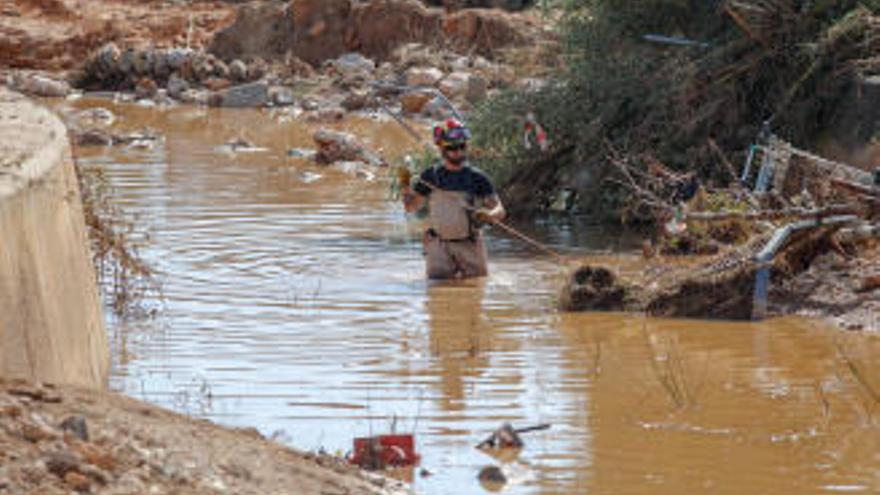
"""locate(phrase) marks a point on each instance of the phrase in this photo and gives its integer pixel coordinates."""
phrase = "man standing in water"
(460, 199)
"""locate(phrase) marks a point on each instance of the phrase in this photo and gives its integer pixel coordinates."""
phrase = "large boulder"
(246, 95)
(264, 29)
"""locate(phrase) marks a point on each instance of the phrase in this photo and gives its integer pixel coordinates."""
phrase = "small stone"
(281, 96)
(11, 411)
(145, 88)
(36, 433)
(356, 100)
(76, 425)
(176, 86)
(77, 481)
(238, 71)
(216, 83)
(93, 137)
(420, 76)
(61, 463)
(455, 84)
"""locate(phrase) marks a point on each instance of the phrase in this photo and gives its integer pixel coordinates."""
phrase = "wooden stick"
(771, 214)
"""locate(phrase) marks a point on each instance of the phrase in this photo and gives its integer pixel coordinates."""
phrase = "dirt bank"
(57, 35)
(318, 30)
(51, 319)
(57, 440)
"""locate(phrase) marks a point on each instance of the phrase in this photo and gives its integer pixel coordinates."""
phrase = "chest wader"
(454, 246)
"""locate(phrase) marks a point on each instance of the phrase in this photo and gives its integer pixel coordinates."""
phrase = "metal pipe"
(764, 259)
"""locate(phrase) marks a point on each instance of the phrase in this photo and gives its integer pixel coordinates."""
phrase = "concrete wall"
(51, 321)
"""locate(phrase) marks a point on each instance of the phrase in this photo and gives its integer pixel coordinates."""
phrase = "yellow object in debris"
(404, 176)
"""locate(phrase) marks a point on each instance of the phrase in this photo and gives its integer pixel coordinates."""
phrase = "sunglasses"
(456, 147)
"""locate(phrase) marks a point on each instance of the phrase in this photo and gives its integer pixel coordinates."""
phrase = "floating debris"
(383, 451)
(506, 437)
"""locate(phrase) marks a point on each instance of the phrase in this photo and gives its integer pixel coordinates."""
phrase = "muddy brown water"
(295, 303)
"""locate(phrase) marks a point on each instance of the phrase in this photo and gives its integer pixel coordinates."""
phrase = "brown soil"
(59, 34)
(318, 30)
(57, 440)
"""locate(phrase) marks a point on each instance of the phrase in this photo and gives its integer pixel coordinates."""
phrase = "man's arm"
(412, 201)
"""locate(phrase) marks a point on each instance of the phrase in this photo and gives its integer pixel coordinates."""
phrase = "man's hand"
(485, 215)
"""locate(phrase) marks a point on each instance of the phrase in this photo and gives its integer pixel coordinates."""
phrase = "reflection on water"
(295, 302)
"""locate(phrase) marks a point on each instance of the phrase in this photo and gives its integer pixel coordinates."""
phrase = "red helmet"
(451, 133)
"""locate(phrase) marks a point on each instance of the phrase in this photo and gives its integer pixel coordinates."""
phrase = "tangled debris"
(792, 217)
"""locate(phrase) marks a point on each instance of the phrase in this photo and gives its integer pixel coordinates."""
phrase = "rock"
(238, 71)
(126, 61)
(142, 63)
(353, 65)
(77, 481)
(61, 463)
(221, 70)
(335, 146)
(477, 89)
(36, 433)
(195, 96)
(455, 84)
(423, 76)
(37, 85)
(357, 100)
(93, 137)
(11, 411)
(105, 61)
(415, 101)
(96, 474)
(301, 153)
(492, 478)
(216, 83)
(176, 58)
(176, 86)
(309, 104)
(76, 425)
(257, 69)
(437, 109)
(96, 456)
(246, 95)
(460, 64)
(326, 114)
(281, 96)
(531, 84)
(146, 88)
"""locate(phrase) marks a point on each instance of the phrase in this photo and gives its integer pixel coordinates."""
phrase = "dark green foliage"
(789, 60)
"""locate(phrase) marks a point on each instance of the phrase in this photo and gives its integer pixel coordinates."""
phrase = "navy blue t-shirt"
(469, 179)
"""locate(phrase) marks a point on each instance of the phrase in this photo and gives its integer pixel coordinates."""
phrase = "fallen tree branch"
(772, 214)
